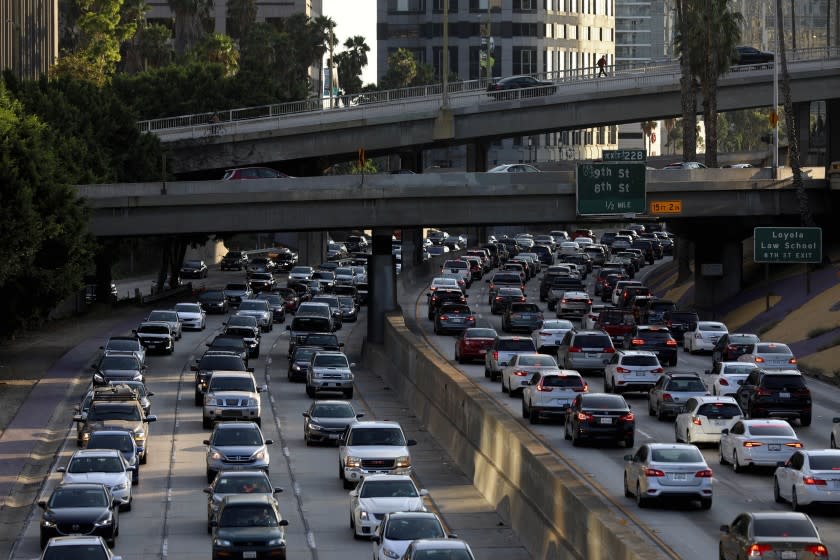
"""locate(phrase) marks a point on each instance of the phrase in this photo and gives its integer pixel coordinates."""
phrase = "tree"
(216, 48)
(189, 22)
(350, 64)
(133, 12)
(241, 15)
(153, 46)
(790, 120)
(688, 87)
(402, 69)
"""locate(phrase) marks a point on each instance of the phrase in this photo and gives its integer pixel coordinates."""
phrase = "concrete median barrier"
(555, 514)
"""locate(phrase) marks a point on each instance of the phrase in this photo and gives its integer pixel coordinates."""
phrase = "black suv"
(679, 322)
(509, 279)
(656, 339)
(775, 394)
(234, 260)
(444, 295)
(730, 346)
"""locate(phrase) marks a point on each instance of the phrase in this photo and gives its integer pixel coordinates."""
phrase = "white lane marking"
(271, 398)
(644, 433)
(164, 549)
(286, 452)
(296, 489)
(268, 360)
(169, 494)
(310, 538)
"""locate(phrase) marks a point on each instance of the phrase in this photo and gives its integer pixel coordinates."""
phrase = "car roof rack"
(117, 392)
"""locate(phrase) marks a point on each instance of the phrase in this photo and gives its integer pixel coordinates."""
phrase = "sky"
(355, 17)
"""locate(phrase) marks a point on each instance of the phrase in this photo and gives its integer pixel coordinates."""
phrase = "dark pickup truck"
(617, 323)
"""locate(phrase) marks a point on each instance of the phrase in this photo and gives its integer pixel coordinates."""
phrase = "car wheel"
(706, 504)
(534, 416)
(525, 412)
(126, 507)
(677, 434)
(486, 371)
(44, 540)
(673, 363)
(805, 420)
(833, 442)
(721, 555)
(736, 466)
(794, 501)
(209, 529)
(210, 476)
(310, 392)
(777, 494)
(608, 388)
(348, 484)
(651, 412)
(144, 458)
(641, 500)
(627, 492)
(460, 359)
(630, 442)
(721, 459)
(575, 439)
(688, 437)
(660, 414)
(504, 388)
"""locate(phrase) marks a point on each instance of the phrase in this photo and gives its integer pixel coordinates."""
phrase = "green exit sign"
(611, 188)
(787, 245)
(635, 154)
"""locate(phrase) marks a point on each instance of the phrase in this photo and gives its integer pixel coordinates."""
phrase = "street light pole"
(332, 83)
(776, 108)
(444, 94)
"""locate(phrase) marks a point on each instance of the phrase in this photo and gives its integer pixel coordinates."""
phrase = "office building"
(28, 36)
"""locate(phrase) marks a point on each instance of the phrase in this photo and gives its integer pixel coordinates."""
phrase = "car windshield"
(711, 327)
(780, 430)
(261, 276)
(332, 411)
(75, 551)
(304, 354)
(301, 270)
(113, 411)
(376, 436)
(538, 360)
(772, 349)
(311, 324)
(331, 360)
(242, 484)
(679, 455)
(409, 529)
(637, 360)
(125, 345)
(562, 381)
(783, 382)
(346, 301)
(388, 489)
(227, 363)
(604, 402)
(236, 436)
(686, 385)
(107, 464)
(516, 345)
(212, 296)
(224, 383)
(166, 316)
(784, 527)
(510, 292)
(119, 362)
(69, 497)
(192, 264)
(593, 341)
(233, 342)
(719, 411)
(188, 308)
(246, 332)
(120, 442)
(252, 306)
(248, 516)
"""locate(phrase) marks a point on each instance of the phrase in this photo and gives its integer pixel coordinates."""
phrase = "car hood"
(377, 451)
(253, 312)
(333, 423)
(142, 335)
(189, 315)
(233, 395)
(108, 479)
(132, 425)
(79, 515)
(384, 505)
(230, 450)
(260, 534)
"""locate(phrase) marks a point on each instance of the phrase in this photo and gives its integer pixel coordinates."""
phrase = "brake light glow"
(671, 342)
(817, 550)
(575, 349)
(564, 300)
(470, 318)
(761, 391)
(637, 341)
(544, 389)
(609, 350)
(667, 397)
(759, 359)
(753, 444)
(796, 444)
(811, 481)
(697, 421)
(496, 355)
(705, 473)
(584, 416)
(792, 361)
(498, 298)
(629, 417)
(657, 370)
(723, 381)
(520, 373)
(654, 473)
(758, 549)
(620, 369)
(444, 317)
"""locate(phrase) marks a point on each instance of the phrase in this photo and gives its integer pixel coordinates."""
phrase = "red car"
(472, 344)
(253, 173)
(290, 297)
(583, 233)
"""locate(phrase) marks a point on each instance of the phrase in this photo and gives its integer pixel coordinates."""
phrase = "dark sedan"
(731, 346)
(600, 416)
(504, 297)
(453, 317)
(751, 55)
(514, 87)
(213, 301)
(194, 269)
(522, 317)
(80, 508)
(656, 339)
(327, 420)
(299, 362)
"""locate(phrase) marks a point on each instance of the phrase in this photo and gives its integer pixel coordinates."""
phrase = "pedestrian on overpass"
(602, 64)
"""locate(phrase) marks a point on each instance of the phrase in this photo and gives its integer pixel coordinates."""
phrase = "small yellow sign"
(666, 207)
(773, 118)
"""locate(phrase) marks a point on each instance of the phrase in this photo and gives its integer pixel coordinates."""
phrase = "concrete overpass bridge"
(410, 120)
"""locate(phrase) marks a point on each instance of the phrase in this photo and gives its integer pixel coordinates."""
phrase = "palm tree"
(189, 16)
(322, 28)
(241, 14)
(688, 86)
(358, 49)
(790, 121)
(709, 45)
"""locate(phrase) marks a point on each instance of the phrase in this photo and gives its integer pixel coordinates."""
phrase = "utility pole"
(332, 80)
(444, 94)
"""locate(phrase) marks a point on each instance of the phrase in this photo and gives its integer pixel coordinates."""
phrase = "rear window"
(537, 360)
(661, 305)
(680, 455)
(711, 327)
(825, 463)
(743, 339)
(784, 527)
(719, 410)
(507, 279)
(772, 349)
(604, 402)
(686, 385)
(772, 430)
(781, 382)
(655, 335)
(733, 369)
(456, 309)
(480, 333)
(510, 292)
(522, 344)
(564, 381)
(607, 317)
(593, 341)
(525, 308)
(640, 361)
(684, 317)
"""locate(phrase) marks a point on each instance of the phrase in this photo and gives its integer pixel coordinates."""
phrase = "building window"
(477, 71)
(438, 6)
(613, 132)
(525, 29)
(406, 6)
(524, 60)
(404, 31)
(493, 6)
(437, 61)
(524, 5)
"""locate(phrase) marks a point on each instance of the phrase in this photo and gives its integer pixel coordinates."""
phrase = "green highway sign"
(611, 188)
(787, 245)
(636, 154)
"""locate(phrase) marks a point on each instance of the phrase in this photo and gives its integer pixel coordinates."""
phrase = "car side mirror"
(284, 523)
(780, 463)
(42, 504)
(360, 415)
(708, 372)
(151, 418)
(208, 490)
(150, 394)
(277, 490)
(724, 431)
(134, 331)
(214, 523)
(206, 442)
(115, 503)
(354, 492)
(305, 414)
(451, 536)
(61, 469)
(288, 327)
(353, 364)
(487, 280)
(193, 368)
(376, 539)
(131, 468)
(724, 529)
(835, 420)
(628, 457)
(262, 389)
(341, 345)
(249, 370)
(78, 418)
(410, 442)
(269, 441)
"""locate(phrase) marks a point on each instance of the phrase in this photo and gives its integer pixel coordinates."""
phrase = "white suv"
(373, 447)
(329, 371)
(632, 370)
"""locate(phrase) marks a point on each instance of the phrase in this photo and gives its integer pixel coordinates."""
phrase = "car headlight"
(253, 402)
(363, 515)
(221, 542)
(352, 462)
(86, 436)
(47, 523)
(104, 522)
(210, 401)
(139, 435)
(390, 553)
(295, 367)
(276, 542)
(314, 426)
(121, 486)
(402, 462)
(260, 455)
(215, 455)
(97, 377)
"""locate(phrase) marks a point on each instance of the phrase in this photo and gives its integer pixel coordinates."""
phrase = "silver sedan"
(667, 470)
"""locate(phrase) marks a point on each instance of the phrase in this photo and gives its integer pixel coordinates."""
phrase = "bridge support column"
(312, 246)
(802, 114)
(832, 130)
(104, 260)
(412, 249)
(411, 160)
(382, 281)
(717, 272)
(477, 157)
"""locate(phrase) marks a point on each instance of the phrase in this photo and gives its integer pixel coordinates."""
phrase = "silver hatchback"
(667, 470)
(585, 350)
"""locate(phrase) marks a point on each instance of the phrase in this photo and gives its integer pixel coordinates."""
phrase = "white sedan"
(521, 367)
(730, 376)
(758, 443)
(552, 332)
(379, 494)
(705, 418)
(704, 336)
(192, 315)
(808, 477)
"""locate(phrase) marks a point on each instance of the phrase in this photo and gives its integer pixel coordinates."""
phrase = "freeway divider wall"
(554, 513)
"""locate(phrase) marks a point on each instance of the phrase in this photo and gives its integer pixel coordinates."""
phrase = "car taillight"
(498, 298)
(667, 397)
(817, 550)
(544, 389)
(758, 549)
(654, 473)
(620, 369)
(759, 359)
(671, 342)
(434, 298)
(637, 341)
(629, 417)
(657, 370)
(723, 381)
(444, 317)
(705, 473)
(584, 416)
(753, 444)
(796, 444)
(761, 391)
(496, 355)
(564, 300)
(520, 373)
(792, 361)
(696, 420)
(811, 481)
(575, 349)
(609, 350)
(470, 318)
(522, 298)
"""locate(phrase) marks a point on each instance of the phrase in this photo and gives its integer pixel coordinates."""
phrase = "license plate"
(774, 446)
(565, 402)
(605, 420)
(784, 395)
(591, 355)
(640, 374)
(458, 320)
(679, 476)
(788, 555)
(334, 436)
(249, 554)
